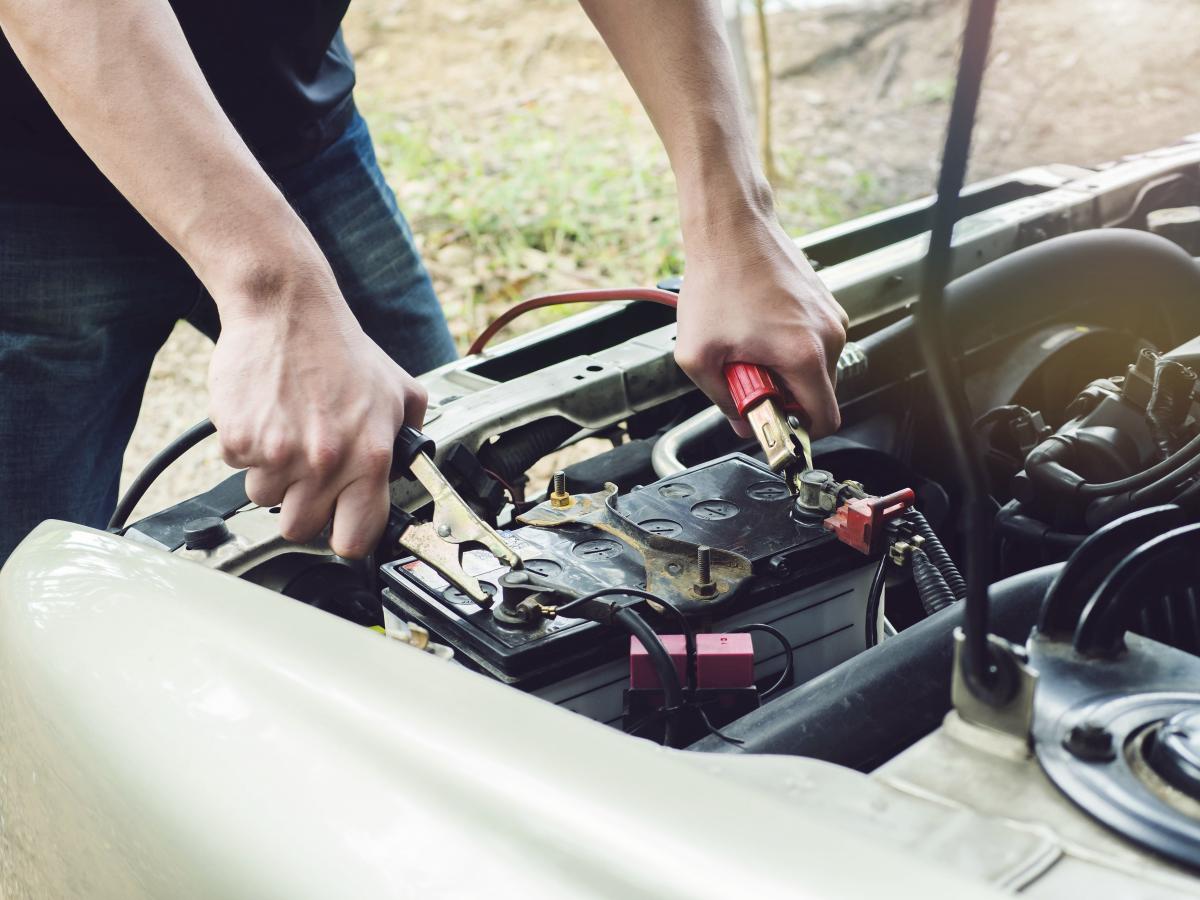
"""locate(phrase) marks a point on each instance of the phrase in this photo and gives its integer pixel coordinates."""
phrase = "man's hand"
(299, 394)
(754, 298)
(310, 405)
(749, 295)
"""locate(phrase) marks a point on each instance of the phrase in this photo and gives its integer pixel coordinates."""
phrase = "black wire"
(159, 464)
(713, 729)
(689, 633)
(788, 663)
(664, 666)
(1165, 486)
(935, 594)
(937, 553)
(1171, 467)
(935, 340)
(874, 596)
(690, 642)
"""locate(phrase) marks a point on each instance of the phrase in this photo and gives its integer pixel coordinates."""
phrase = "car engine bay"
(1079, 356)
(973, 612)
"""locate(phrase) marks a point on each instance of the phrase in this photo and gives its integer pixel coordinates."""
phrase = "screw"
(704, 586)
(559, 498)
(1090, 742)
(443, 531)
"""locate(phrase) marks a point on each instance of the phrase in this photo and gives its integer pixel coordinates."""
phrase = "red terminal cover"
(859, 523)
(722, 661)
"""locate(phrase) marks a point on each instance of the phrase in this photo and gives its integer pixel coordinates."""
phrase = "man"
(229, 128)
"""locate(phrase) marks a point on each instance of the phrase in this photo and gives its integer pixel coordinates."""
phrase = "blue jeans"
(88, 295)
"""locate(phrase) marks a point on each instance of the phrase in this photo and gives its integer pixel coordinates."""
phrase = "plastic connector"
(723, 661)
(859, 523)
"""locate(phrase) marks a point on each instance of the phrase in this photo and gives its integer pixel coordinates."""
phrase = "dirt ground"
(524, 163)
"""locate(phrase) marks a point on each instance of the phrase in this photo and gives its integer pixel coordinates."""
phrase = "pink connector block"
(722, 661)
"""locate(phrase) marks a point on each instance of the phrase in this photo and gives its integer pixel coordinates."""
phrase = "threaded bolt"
(559, 497)
(704, 586)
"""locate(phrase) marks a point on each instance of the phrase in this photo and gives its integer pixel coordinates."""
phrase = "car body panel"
(170, 730)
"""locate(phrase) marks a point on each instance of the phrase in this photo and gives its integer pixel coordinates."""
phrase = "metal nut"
(559, 497)
(1090, 742)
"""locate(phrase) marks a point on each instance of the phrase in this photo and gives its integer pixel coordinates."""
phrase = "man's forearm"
(123, 80)
(675, 56)
(749, 295)
(306, 403)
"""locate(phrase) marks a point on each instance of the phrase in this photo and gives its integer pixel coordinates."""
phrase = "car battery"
(805, 583)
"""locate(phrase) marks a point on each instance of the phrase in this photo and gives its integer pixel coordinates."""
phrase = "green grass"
(510, 205)
(515, 206)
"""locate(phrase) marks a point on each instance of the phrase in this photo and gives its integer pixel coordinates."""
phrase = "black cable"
(664, 667)
(689, 633)
(1162, 489)
(938, 555)
(935, 339)
(1187, 455)
(159, 464)
(1189, 497)
(874, 597)
(935, 594)
(789, 663)
(713, 729)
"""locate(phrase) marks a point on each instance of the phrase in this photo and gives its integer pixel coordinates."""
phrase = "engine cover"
(804, 582)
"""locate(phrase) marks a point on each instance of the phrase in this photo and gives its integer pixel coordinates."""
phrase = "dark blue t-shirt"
(278, 68)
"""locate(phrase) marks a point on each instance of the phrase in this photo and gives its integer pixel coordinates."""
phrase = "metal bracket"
(1016, 716)
(671, 565)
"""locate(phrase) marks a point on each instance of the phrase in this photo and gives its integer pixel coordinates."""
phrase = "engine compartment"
(1078, 355)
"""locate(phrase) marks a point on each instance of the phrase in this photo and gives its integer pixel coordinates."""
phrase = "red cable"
(597, 295)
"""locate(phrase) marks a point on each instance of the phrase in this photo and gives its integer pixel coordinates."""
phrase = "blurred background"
(525, 164)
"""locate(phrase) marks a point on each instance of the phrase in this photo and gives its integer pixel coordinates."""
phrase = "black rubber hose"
(1172, 488)
(938, 554)
(668, 677)
(1188, 454)
(518, 449)
(935, 594)
(1166, 563)
(1012, 523)
(1168, 485)
(899, 690)
(1048, 467)
(1087, 276)
(1091, 562)
(159, 464)
(1189, 498)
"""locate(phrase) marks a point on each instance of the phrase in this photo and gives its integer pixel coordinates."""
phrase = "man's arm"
(749, 295)
(300, 396)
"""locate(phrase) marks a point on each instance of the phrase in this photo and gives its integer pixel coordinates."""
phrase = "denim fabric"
(88, 295)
